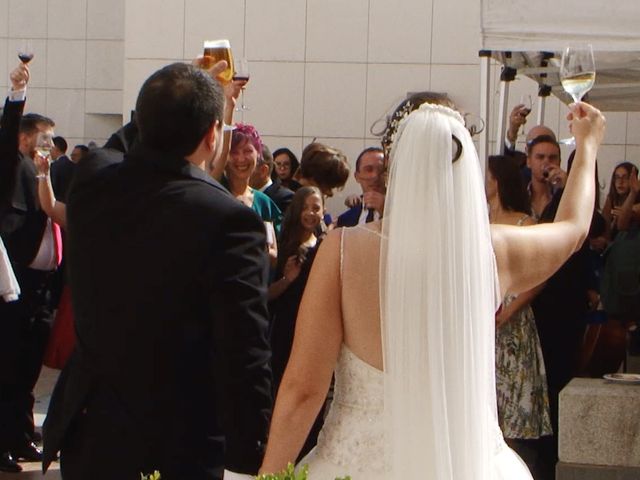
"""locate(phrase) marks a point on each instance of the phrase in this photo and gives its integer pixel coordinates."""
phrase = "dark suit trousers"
(23, 338)
(103, 443)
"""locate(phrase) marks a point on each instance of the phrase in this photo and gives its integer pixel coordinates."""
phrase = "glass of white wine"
(44, 144)
(577, 74)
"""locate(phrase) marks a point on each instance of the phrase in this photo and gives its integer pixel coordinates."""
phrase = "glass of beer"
(215, 51)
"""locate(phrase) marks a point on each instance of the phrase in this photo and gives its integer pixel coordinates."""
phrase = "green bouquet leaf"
(289, 473)
(152, 476)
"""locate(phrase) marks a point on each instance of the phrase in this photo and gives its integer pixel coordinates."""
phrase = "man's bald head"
(538, 131)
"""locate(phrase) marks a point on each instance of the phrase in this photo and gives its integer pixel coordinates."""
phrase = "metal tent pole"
(485, 104)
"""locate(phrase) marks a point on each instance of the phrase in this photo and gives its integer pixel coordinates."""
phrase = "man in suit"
(33, 246)
(78, 153)
(370, 206)
(62, 168)
(168, 278)
(261, 180)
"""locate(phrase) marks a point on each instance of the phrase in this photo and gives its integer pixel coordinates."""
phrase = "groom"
(168, 278)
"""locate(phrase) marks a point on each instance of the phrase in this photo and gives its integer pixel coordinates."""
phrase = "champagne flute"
(44, 144)
(25, 51)
(215, 51)
(577, 74)
(242, 74)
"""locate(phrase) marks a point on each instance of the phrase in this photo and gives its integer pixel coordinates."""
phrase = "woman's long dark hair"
(614, 196)
(511, 190)
(292, 230)
(292, 158)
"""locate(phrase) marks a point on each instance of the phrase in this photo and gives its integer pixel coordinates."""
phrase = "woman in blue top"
(246, 147)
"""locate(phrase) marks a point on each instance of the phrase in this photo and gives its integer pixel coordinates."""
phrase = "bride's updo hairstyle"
(408, 105)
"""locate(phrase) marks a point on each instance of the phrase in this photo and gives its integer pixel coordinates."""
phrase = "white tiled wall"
(337, 31)
(320, 68)
(399, 35)
(78, 64)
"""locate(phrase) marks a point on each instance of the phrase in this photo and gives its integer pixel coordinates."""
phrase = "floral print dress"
(521, 379)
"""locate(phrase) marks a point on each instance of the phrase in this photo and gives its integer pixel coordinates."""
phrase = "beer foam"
(223, 43)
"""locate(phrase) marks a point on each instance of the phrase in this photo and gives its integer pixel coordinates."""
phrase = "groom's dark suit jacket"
(168, 277)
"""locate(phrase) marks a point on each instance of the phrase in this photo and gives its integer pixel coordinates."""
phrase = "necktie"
(370, 215)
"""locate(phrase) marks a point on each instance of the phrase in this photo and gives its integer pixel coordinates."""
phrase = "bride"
(404, 312)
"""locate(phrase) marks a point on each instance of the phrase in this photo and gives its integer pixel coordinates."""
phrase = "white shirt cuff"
(17, 95)
(236, 476)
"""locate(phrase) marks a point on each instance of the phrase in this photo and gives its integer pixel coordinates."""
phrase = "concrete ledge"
(573, 471)
(633, 363)
(599, 424)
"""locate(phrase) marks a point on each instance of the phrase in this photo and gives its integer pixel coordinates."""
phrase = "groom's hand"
(236, 476)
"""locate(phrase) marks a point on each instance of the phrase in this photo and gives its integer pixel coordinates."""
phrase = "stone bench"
(599, 432)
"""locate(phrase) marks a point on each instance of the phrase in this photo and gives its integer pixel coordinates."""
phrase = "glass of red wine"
(25, 51)
(241, 74)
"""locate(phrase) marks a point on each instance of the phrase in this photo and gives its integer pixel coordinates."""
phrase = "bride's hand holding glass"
(587, 124)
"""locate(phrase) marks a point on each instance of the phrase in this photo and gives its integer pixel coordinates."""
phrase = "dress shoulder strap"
(341, 253)
(523, 219)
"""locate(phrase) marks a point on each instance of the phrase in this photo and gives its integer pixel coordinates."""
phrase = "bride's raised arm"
(314, 354)
(527, 256)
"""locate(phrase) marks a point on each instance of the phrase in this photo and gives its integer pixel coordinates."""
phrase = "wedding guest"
(326, 168)
(78, 153)
(33, 245)
(261, 180)
(286, 164)
(62, 168)
(622, 206)
(521, 381)
(323, 167)
(62, 339)
(246, 148)
(298, 247)
(621, 275)
(369, 206)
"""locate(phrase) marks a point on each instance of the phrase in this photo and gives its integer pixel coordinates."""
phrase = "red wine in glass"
(242, 73)
(25, 57)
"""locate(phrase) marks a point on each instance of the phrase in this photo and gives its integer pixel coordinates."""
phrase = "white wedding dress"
(352, 439)
(432, 414)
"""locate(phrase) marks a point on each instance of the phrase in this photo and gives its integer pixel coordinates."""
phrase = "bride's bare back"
(361, 292)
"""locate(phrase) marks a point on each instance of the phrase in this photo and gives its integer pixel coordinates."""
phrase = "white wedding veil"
(438, 302)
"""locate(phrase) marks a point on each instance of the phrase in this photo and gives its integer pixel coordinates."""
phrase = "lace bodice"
(352, 435)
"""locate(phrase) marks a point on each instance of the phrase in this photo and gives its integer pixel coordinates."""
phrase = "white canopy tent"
(527, 36)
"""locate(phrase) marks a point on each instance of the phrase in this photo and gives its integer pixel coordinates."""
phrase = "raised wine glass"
(25, 51)
(44, 144)
(242, 74)
(577, 74)
(528, 105)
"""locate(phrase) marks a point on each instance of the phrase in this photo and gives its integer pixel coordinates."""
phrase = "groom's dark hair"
(175, 108)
